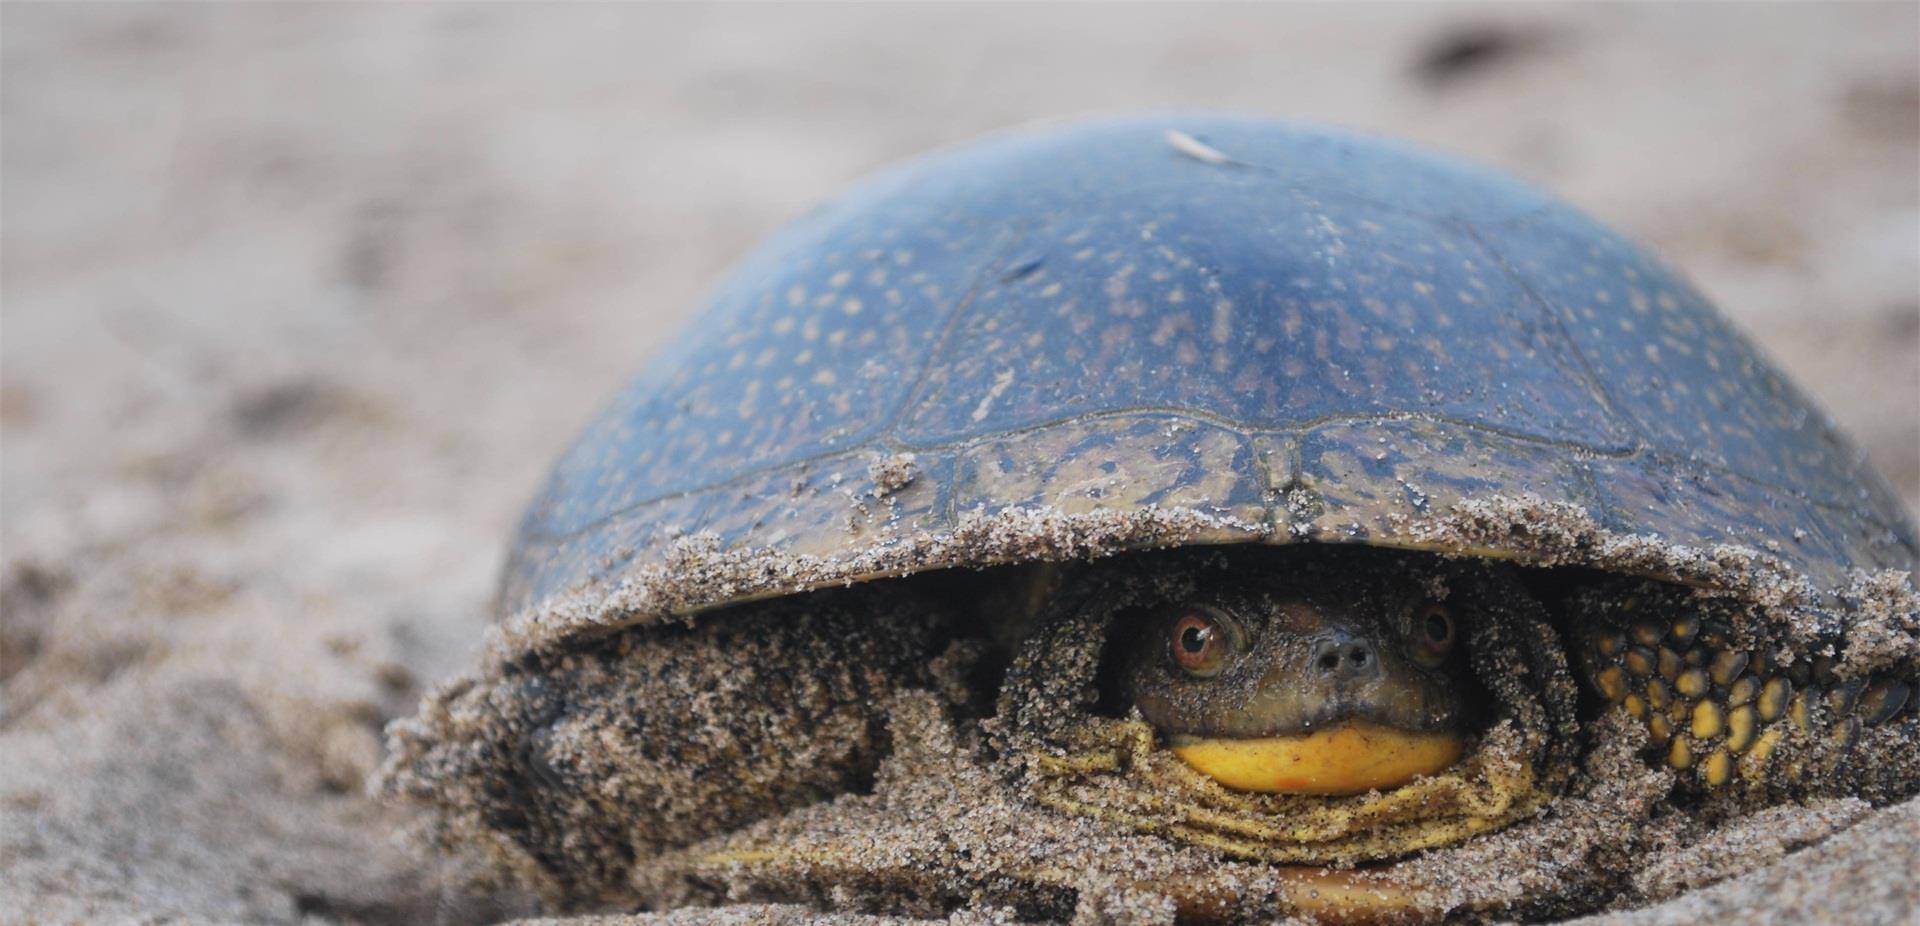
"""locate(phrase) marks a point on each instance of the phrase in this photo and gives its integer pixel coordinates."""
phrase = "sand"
(298, 303)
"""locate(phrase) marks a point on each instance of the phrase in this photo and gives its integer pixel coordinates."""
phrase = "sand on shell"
(940, 824)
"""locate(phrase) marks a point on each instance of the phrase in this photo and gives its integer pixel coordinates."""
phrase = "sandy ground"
(299, 302)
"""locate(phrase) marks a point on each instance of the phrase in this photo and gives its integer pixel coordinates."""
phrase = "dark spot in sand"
(18, 405)
(26, 600)
(286, 408)
(1883, 106)
(1470, 50)
(367, 254)
(332, 908)
(1901, 322)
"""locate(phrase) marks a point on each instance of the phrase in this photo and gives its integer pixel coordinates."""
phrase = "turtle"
(1194, 516)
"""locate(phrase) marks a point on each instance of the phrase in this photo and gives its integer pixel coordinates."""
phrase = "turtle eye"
(1198, 642)
(1434, 628)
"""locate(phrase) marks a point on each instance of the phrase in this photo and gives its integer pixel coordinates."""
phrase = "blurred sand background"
(299, 302)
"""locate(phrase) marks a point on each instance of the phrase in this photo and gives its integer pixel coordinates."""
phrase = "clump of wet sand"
(947, 821)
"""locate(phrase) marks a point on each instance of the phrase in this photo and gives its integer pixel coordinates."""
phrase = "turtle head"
(1295, 684)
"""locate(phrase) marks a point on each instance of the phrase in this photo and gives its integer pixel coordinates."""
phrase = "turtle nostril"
(1344, 658)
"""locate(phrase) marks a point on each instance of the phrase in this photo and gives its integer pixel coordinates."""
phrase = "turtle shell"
(1179, 330)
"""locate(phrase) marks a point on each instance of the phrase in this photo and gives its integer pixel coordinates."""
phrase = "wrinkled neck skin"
(1304, 644)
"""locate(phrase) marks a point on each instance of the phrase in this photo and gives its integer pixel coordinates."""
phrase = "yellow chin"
(1347, 759)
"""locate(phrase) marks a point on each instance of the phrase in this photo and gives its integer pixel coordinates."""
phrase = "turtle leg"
(1728, 715)
(587, 764)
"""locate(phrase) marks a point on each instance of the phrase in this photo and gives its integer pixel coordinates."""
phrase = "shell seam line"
(870, 442)
(1240, 427)
(1293, 433)
(996, 257)
(1554, 316)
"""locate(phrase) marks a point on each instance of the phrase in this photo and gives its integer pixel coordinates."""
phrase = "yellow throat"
(1347, 759)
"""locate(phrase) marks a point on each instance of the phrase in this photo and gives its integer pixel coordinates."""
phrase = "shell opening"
(1353, 794)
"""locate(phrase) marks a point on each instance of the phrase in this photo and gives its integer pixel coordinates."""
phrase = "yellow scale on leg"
(1719, 711)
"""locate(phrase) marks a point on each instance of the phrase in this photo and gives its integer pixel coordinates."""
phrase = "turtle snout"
(1341, 659)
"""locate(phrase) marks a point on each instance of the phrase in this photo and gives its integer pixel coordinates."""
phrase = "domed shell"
(1185, 329)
